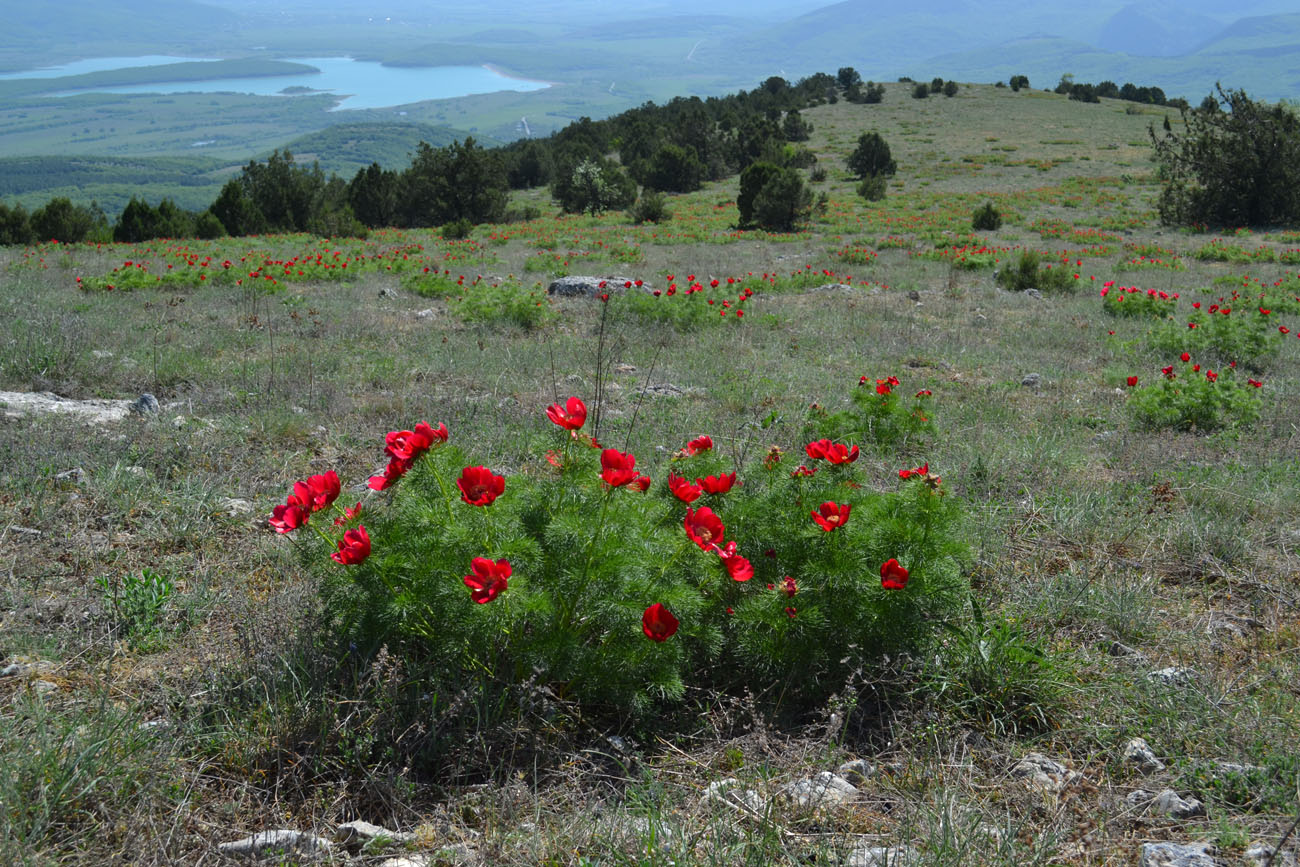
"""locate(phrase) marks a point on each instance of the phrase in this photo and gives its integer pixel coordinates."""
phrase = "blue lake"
(360, 84)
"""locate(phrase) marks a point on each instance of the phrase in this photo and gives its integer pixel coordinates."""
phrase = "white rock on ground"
(18, 404)
(1178, 855)
(1166, 803)
(1038, 770)
(823, 790)
(275, 842)
(729, 793)
(857, 771)
(360, 833)
(882, 856)
(1139, 754)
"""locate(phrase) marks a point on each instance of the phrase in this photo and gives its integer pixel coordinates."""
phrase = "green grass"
(1085, 530)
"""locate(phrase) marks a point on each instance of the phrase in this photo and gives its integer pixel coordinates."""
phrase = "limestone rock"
(576, 286)
(823, 790)
(1041, 772)
(730, 793)
(882, 856)
(1032, 380)
(1178, 855)
(857, 771)
(1138, 754)
(360, 834)
(275, 842)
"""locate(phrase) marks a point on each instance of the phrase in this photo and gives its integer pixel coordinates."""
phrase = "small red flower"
(682, 489)
(791, 611)
(704, 527)
(288, 516)
(408, 445)
(1168, 371)
(717, 484)
(1211, 376)
(617, 468)
(892, 575)
(699, 444)
(831, 516)
(1132, 381)
(479, 486)
(1185, 357)
(354, 547)
(737, 566)
(571, 417)
(658, 623)
(925, 392)
(801, 470)
(1284, 329)
(642, 483)
(789, 586)
(488, 580)
(1254, 383)
(318, 492)
(396, 468)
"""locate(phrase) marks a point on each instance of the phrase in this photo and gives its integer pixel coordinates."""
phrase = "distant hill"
(344, 148)
(56, 30)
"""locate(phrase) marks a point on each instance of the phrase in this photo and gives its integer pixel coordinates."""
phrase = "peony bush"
(622, 588)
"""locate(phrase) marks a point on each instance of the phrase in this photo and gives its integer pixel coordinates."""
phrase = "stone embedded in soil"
(1258, 855)
(1034, 293)
(1167, 803)
(1038, 770)
(18, 404)
(1173, 676)
(234, 507)
(729, 792)
(577, 286)
(1178, 855)
(407, 861)
(145, 404)
(856, 771)
(1032, 380)
(1139, 754)
(359, 833)
(823, 790)
(274, 843)
(882, 856)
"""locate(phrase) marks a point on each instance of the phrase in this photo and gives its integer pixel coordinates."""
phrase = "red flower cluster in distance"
(479, 486)
(571, 417)
(404, 447)
(488, 580)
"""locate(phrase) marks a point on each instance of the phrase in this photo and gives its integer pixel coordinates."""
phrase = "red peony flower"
(354, 547)
(817, 449)
(682, 489)
(737, 566)
(616, 468)
(717, 484)
(409, 445)
(571, 417)
(791, 611)
(479, 486)
(658, 623)
(1132, 381)
(642, 483)
(830, 516)
(288, 517)
(1185, 357)
(396, 468)
(838, 453)
(318, 491)
(892, 575)
(789, 586)
(699, 444)
(704, 527)
(801, 470)
(488, 580)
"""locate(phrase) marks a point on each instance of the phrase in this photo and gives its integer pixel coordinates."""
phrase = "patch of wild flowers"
(620, 586)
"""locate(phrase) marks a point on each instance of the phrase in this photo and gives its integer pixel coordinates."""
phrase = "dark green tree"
(772, 197)
(59, 219)
(950, 88)
(921, 90)
(795, 128)
(847, 77)
(15, 226)
(872, 157)
(1237, 164)
(373, 195)
(674, 169)
(237, 211)
(1019, 81)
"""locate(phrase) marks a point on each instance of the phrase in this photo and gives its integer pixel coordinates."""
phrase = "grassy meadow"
(175, 690)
